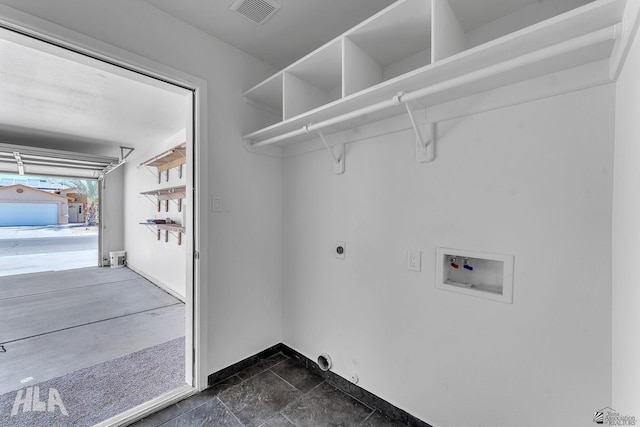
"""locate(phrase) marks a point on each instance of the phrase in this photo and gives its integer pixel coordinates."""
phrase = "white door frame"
(36, 27)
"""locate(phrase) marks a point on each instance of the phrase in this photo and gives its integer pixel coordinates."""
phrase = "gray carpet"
(99, 392)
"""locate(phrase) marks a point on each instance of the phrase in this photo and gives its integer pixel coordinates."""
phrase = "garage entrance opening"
(128, 328)
(47, 224)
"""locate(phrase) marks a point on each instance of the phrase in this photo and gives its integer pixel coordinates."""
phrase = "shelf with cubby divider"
(426, 52)
(175, 194)
(314, 81)
(268, 95)
(175, 229)
(387, 46)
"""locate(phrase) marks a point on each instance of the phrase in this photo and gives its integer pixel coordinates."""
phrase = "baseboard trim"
(387, 409)
(155, 281)
(225, 373)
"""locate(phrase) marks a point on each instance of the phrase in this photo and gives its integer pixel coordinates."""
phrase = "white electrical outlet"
(414, 259)
(340, 248)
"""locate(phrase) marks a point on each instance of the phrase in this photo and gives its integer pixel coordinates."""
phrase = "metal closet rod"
(600, 36)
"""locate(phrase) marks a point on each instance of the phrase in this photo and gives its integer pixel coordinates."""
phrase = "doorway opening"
(140, 313)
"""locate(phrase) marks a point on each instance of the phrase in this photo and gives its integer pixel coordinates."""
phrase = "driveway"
(47, 248)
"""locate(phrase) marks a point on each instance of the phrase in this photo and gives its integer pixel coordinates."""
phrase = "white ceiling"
(47, 91)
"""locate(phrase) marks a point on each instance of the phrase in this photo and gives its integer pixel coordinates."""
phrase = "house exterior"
(78, 205)
(21, 205)
(76, 213)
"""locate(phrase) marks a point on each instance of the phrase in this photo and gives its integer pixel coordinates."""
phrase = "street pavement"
(41, 245)
(51, 248)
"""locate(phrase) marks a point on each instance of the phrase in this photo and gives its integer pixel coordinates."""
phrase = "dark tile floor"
(275, 392)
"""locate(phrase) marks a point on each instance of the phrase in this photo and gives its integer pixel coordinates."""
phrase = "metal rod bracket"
(125, 152)
(425, 150)
(337, 154)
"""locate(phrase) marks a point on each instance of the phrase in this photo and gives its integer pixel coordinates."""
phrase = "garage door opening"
(48, 224)
(131, 329)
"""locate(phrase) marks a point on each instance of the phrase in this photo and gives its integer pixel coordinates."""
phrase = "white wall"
(161, 262)
(112, 217)
(626, 240)
(245, 241)
(534, 181)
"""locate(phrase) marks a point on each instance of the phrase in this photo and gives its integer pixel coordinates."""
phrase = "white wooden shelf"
(420, 47)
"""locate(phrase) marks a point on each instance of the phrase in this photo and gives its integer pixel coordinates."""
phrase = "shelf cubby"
(454, 59)
(268, 96)
(372, 56)
(313, 81)
(454, 32)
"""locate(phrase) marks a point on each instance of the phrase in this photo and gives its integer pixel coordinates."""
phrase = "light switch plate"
(216, 204)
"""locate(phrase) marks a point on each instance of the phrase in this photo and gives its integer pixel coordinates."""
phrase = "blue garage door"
(14, 214)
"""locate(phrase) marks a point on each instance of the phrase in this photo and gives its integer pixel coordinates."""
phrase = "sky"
(52, 182)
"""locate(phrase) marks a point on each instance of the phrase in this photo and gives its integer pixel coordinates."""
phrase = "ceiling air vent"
(256, 10)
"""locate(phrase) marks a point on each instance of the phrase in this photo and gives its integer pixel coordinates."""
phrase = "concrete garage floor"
(53, 323)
